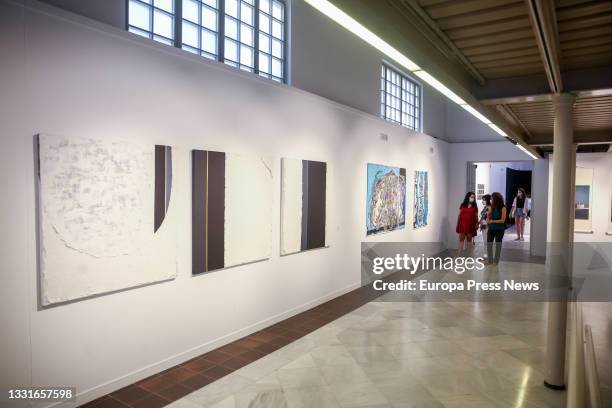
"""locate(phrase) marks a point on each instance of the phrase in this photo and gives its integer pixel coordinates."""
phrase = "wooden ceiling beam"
(418, 11)
(544, 23)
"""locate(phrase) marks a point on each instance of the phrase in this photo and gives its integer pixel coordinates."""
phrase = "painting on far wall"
(231, 221)
(583, 211)
(582, 202)
(385, 198)
(303, 205)
(421, 199)
(108, 219)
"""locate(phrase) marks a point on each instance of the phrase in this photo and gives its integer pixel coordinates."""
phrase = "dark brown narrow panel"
(160, 187)
(168, 156)
(304, 242)
(198, 211)
(216, 211)
(314, 194)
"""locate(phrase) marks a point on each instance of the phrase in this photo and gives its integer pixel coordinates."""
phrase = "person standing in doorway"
(520, 208)
(486, 207)
(467, 223)
(496, 225)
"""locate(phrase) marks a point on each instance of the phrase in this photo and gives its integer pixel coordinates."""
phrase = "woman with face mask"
(486, 207)
(519, 213)
(467, 223)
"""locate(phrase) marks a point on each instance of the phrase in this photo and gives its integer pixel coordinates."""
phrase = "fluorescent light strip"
(497, 129)
(359, 30)
(477, 114)
(375, 41)
(526, 151)
(439, 86)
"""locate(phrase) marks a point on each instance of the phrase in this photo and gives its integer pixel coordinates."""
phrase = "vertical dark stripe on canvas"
(304, 240)
(313, 211)
(168, 155)
(198, 211)
(317, 188)
(159, 211)
(216, 210)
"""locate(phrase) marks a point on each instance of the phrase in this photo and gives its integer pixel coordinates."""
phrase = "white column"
(539, 208)
(561, 234)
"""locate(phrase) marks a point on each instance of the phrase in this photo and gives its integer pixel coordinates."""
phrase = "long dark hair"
(487, 199)
(466, 201)
(497, 200)
(522, 191)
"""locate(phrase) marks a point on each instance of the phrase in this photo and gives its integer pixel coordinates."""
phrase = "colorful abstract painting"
(303, 205)
(421, 199)
(385, 198)
(107, 216)
(231, 210)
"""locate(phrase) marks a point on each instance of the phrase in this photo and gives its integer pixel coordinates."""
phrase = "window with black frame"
(246, 34)
(152, 19)
(200, 27)
(400, 99)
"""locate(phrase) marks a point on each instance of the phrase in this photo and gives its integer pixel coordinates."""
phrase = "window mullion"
(285, 41)
(256, 38)
(200, 26)
(152, 21)
(384, 90)
(178, 23)
(221, 32)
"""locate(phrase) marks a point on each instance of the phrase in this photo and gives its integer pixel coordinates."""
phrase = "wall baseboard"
(130, 378)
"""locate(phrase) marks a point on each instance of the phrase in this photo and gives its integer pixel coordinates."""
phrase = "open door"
(471, 177)
(514, 180)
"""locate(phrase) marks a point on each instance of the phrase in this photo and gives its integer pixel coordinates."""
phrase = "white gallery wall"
(539, 207)
(601, 164)
(69, 76)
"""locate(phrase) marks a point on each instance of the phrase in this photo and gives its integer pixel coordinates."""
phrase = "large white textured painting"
(107, 217)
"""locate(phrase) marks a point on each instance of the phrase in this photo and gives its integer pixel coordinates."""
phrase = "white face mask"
(471, 199)
(484, 203)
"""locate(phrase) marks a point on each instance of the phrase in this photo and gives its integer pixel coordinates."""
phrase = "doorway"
(505, 178)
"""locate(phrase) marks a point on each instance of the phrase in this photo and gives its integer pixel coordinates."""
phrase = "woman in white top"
(520, 210)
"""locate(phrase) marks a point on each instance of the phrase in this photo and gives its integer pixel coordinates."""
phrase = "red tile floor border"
(174, 383)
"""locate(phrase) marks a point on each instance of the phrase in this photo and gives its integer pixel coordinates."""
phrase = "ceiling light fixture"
(533, 156)
(477, 114)
(497, 129)
(439, 86)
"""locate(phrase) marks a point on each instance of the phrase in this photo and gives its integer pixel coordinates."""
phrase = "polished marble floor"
(411, 354)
